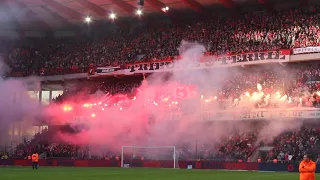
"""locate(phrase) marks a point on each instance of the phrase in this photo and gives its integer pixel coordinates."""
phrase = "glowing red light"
(67, 108)
(93, 115)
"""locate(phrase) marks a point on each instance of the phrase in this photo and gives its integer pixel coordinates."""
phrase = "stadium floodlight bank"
(135, 156)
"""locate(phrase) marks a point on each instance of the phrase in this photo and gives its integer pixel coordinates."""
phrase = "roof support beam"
(195, 6)
(57, 16)
(159, 5)
(93, 7)
(67, 11)
(267, 4)
(123, 5)
(31, 14)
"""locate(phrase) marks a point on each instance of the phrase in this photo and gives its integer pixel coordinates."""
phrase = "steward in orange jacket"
(35, 160)
(307, 168)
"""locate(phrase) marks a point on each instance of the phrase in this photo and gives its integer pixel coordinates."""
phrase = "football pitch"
(77, 173)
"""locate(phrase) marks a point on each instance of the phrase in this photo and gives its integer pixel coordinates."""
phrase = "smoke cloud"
(16, 104)
(166, 110)
(147, 120)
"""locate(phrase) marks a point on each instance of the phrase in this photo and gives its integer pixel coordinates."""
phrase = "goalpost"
(149, 156)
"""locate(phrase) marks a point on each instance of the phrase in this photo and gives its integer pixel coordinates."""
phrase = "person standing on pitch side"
(35, 160)
(307, 168)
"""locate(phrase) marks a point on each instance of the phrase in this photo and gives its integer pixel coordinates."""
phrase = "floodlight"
(139, 12)
(87, 19)
(112, 16)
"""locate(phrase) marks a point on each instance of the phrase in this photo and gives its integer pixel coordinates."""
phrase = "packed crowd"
(249, 33)
(295, 84)
(291, 146)
(38, 143)
(239, 147)
(48, 146)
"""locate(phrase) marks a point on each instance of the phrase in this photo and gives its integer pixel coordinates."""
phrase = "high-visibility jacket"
(35, 157)
(307, 170)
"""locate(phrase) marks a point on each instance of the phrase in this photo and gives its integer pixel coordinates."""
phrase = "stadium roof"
(49, 14)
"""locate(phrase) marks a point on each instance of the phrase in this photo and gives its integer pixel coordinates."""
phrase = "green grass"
(77, 173)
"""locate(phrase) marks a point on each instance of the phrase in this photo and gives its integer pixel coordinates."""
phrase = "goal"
(149, 156)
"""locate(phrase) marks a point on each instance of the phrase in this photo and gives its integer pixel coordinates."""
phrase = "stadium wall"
(161, 164)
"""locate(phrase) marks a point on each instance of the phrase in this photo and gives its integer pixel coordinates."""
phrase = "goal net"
(149, 156)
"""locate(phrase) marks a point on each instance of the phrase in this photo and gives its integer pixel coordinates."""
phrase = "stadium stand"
(239, 147)
(250, 33)
(295, 144)
(289, 146)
